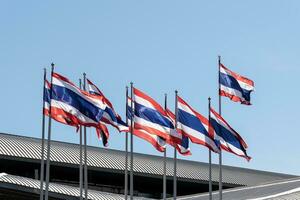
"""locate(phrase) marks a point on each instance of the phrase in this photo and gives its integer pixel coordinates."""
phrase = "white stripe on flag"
(144, 102)
(185, 108)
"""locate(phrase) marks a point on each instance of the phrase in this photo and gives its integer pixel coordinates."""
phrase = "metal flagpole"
(220, 154)
(175, 151)
(131, 142)
(85, 150)
(165, 163)
(49, 139)
(175, 175)
(43, 143)
(80, 155)
(126, 150)
(210, 182)
(165, 176)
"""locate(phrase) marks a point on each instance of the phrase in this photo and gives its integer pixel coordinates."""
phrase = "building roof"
(280, 190)
(55, 190)
(20, 147)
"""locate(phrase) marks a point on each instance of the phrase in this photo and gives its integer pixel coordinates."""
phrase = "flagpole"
(209, 158)
(165, 175)
(175, 151)
(80, 154)
(165, 163)
(49, 138)
(85, 150)
(43, 143)
(126, 150)
(220, 154)
(131, 142)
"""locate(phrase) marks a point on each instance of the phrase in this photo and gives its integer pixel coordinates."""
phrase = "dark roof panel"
(64, 191)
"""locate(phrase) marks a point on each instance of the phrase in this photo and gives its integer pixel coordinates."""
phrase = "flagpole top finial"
(84, 74)
(126, 86)
(131, 83)
(52, 67)
(176, 91)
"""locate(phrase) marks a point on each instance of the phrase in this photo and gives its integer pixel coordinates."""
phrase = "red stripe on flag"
(153, 131)
(233, 97)
(148, 138)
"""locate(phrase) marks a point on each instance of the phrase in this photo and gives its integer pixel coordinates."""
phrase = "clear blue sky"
(160, 46)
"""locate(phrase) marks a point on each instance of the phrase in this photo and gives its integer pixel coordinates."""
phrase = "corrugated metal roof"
(285, 189)
(20, 183)
(101, 158)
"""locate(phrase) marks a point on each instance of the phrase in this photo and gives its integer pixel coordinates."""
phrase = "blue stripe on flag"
(129, 112)
(152, 115)
(111, 113)
(231, 82)
(120, 122)
(113, 116)
(225, 134)
(46, 95)
(71, 98)
(191, 121)
(185, 142)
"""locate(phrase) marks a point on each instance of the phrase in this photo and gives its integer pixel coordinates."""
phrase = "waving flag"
(183, 147)
(57, 113)
(109, 116)
(228, 138)
(151, 117)
(73, 106)
(155, 140)
(235, 86)
(194, 126)
(60, 115)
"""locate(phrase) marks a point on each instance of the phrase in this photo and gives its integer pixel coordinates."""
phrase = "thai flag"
(109, 116)
(235, 86)
(183, 148)
(57, 113)
(195, 126)
(157, 142)
(61, 116)
(229, 139)
(73, 105)
(151, 117)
